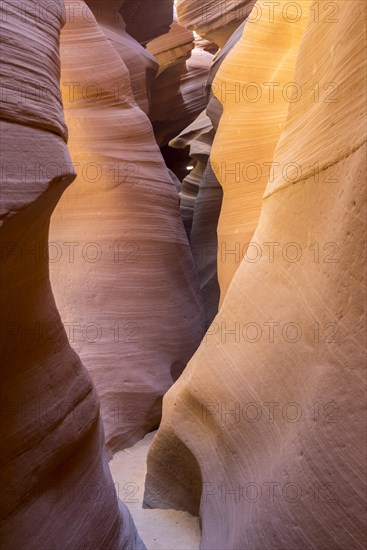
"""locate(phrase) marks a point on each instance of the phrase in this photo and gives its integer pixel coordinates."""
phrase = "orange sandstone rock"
(255, 91)
(213, 20)
(263, 433)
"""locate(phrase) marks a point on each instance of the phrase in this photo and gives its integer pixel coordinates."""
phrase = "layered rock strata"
(198, 138)
(56, 488)
(205, 201)
(124, 279)
(178, 93)
(214, 20)
(256, 90)
(263, 431)
(141, 64)
(147, 19)
(200, 202)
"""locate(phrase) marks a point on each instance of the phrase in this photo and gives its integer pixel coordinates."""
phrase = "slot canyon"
(183, 274)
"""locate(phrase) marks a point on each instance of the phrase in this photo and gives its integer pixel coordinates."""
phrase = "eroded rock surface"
(252, 86)
(56, 488)
(126, 289)
(141, 64)
(201, 198)
(147, 19)
(178, 93)
(200, 203)
(263, 431)
(214, 20)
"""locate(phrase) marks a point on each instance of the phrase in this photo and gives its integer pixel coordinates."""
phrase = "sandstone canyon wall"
(213, 20)
(105, 297)
(124, 279)
(178, 93)
(146, 19)
(263, 433)
(56, 488)
(200, 203)
(255, 105)
(197, 137)
(142, 66)
(202, 194)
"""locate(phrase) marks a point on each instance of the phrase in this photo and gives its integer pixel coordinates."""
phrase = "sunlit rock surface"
(255, 89)
(214, 20)
(263, 432)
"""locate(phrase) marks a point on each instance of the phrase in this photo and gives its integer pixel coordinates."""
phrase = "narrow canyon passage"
(183, 281)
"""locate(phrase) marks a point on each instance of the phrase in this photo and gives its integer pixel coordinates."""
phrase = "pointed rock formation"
(263, 431)
(172, 48)
(56, 488)
(125, 281)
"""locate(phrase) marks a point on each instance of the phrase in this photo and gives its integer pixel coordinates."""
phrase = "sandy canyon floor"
(159, 529)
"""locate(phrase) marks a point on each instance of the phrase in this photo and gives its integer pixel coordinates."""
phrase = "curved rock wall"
(147, 19)
(262, 433)
(56, 488)
(141, 64)
(204, 204)
(253, 88)
(124, 280)
(213, 19)
(178, 93)
(197, 136)
(200, 201)
(266, 419)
